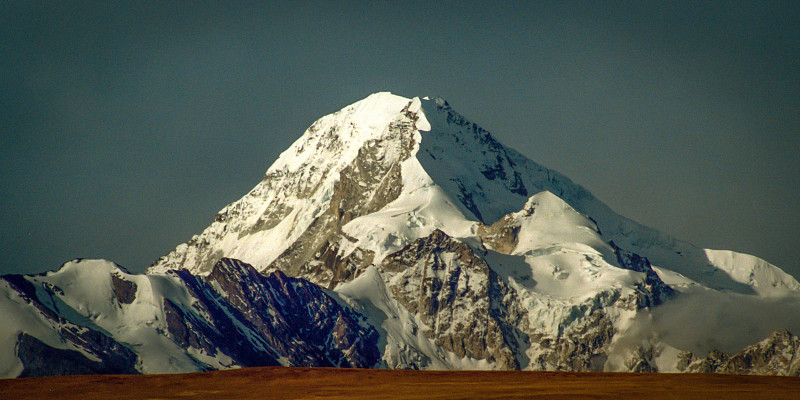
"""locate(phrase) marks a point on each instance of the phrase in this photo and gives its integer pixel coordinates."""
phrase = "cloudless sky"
(125, 126)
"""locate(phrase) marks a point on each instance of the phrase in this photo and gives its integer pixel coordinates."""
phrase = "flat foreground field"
(329, 383)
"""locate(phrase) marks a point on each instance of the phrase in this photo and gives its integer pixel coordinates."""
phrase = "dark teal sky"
(126, 127)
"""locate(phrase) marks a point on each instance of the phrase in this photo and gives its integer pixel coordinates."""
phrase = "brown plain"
(332, 383)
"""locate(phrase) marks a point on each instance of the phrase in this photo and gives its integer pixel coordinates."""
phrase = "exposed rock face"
(91, 351)
(39, 359)
(450, 288)
(685, 358)
(775, 355)
(27, 292)
(125, 291)
(579, 333)
(214, 326)
(710, 364)
(581, 347)
(501, 236)
(363, 187)
(236, 316)
(460, 253)
(296, 318)
(312, 196)
(642, 360)
(650, 293)
(484, 166)
(189, 331)
(257, 319)
(468, 309)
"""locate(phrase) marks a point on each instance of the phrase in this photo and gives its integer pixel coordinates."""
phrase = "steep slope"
(491, 181)
(346, 165)
(93, 317)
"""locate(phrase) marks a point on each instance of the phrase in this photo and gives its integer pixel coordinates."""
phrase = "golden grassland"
(334, 383)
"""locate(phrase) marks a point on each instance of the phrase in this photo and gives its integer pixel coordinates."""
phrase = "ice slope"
(421, 207)
(419, 219)
(19, 318)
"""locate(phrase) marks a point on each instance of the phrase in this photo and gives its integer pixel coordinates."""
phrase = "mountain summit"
(373, 177)
(394, 195)
(395, 233)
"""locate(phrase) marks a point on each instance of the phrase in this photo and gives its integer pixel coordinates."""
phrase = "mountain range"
(395, 233)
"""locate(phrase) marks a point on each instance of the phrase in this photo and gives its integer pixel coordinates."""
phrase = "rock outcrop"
(452, 291)
(776, 355)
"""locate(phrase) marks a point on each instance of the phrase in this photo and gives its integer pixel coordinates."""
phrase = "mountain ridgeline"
(395, 233)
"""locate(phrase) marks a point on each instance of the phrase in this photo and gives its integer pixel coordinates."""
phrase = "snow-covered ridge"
(553, 264)
(365, 120)
(457, 175)
(298, 187)
(91, 316)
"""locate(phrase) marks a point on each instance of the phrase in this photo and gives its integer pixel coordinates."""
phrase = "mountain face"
(93, 317)
(395, 233)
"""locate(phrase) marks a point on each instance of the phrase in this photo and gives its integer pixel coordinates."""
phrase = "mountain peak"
(378, 174)
(459, 253)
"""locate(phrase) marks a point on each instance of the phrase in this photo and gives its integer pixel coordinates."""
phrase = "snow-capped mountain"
(367, 180)
(91, 316)
(382, 174)
(437, 248)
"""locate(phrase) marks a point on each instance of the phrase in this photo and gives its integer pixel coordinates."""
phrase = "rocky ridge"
(179, 322)
(775, 355)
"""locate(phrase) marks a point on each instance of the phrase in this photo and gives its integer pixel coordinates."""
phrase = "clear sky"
(127, 125)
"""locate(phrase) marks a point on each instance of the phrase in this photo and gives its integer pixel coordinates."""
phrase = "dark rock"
(125, 291)
(685, 358)
(296, 318)
(710, 364)
(653, 291)
(581, 347)
(187, 331)
(641, 362)
(227, 329)
(501, 236)
(39, 359)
